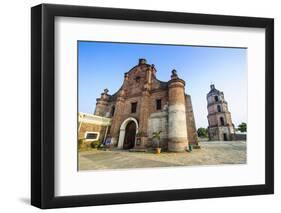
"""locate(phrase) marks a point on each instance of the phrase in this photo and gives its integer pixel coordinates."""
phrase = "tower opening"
(224, 137)
(216, 98)
(219, 108)
(222, 121)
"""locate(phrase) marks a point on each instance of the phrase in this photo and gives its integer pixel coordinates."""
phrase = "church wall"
(177, 121)
(108, 109)
(158, 121)
(101, 108)
(116, 120)
(190, 121)
(228, 118)
(127, 108)
(217, 133)
(224, 130)
(209, 99)
(213, 133)
(213, 108)
(213, 121)
(224, 107)
(122, 112)
(221, 115)
(161, 94)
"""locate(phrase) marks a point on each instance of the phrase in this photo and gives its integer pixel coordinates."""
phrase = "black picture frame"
(43, 102)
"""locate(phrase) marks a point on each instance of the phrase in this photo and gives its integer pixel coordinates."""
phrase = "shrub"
(202, 132)
(242, 127)
(95, 144)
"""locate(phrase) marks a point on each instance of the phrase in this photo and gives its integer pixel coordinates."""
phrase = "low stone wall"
(239, 137)
(88, 123)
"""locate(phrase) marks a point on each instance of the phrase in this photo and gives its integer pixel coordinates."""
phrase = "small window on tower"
(134, 107)
(219, 108)
(158, 104)
(216, 98)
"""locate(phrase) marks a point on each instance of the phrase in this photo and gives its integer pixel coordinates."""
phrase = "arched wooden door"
(130, 134)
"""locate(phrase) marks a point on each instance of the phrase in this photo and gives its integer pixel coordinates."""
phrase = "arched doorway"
(130, 135)
(128, 132)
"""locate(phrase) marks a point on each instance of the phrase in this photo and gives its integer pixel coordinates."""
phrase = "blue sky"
(103, 64)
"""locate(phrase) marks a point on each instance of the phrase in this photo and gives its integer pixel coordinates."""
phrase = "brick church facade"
(144, 105)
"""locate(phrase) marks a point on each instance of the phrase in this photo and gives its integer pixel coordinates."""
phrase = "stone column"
(177, 131)
(144, 112)
(117, 118)
(102, 103)
(143, 118)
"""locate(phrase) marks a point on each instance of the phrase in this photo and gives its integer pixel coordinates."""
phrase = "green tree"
(202, 132)
(242, 127)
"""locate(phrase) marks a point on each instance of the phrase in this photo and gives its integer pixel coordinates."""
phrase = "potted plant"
(156, 140)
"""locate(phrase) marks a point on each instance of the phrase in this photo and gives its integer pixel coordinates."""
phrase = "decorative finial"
(174, 74)
(106, 91)
(126, 76)
(142, 61)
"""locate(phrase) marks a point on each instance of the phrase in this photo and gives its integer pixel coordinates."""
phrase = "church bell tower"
(220, 126)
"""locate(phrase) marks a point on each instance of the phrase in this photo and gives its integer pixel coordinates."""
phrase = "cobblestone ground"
(211, 153)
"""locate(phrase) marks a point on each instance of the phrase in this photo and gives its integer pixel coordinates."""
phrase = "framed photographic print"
(136, 106)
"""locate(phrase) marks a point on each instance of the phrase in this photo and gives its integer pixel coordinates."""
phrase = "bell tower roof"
(213, 90)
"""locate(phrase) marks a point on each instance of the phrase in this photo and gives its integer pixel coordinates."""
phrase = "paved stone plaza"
(211, 153)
